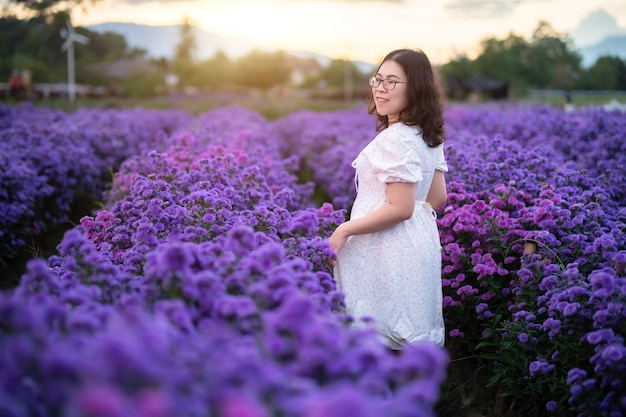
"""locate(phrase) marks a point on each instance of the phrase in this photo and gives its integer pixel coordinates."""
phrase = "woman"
(389, 254)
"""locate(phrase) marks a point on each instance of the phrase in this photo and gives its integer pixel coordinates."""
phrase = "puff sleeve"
(395, 158)
(441, 164)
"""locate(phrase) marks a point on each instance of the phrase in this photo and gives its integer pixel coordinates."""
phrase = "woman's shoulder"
(400, 129)
(404, 128)
(395, 139)
(401, 133)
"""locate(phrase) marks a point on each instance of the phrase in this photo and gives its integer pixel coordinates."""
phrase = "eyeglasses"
(387, 84)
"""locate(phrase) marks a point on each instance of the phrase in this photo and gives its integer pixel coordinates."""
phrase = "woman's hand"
(338, 239)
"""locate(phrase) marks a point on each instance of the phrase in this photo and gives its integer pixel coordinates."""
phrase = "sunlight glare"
(264, 22)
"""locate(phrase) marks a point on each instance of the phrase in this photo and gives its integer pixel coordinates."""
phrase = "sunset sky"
(359, 29)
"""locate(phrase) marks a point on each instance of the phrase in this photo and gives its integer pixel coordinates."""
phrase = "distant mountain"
(594, 28)
(599, 35)
(614, 46)
(161, 41)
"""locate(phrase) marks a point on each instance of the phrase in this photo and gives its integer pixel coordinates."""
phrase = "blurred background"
(197, 54)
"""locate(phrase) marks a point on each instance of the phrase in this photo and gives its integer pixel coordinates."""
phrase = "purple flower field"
(201, 288)
(50, 160)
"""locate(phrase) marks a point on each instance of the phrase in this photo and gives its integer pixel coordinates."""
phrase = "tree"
(546, 60)
(48, 7)
(108, 46)
(35, 44)
(454, 73)
(214, 73)
(608, 73)
(504, 60)
(335, 73)
(459, 67)
(186, 47)
(184, 55)
(38, 39)
(552, 63)
(262, 70)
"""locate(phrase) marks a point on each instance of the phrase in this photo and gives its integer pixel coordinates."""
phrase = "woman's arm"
(437, 194)
(399, 207)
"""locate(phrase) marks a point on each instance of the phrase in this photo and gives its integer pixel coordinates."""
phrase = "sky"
(359, 29)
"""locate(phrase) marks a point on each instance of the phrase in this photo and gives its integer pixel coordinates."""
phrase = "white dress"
(394, 276)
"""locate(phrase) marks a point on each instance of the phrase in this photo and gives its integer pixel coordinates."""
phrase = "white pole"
(71, 90)
(347, 79)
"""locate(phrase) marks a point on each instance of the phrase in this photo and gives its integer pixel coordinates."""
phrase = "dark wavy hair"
(425, 97)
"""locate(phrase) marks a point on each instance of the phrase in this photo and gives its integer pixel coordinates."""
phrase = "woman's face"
(390, 102)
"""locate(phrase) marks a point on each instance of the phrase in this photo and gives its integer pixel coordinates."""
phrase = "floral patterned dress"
(394, 276)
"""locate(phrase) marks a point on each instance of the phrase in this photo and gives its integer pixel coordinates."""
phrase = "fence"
(50, 90)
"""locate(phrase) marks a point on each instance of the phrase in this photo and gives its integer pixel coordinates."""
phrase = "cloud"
(482, 8)
(353, 1)
(151, 1)
(137, 2)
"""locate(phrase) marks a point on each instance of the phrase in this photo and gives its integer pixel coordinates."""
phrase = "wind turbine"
(70, 37)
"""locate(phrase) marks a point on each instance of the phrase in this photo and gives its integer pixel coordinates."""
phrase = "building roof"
(122, 68)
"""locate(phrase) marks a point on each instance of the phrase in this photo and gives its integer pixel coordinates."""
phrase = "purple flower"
(456, 333)
(240, 240)
(603, 335)
(211, 243)
(345, 402)
(613, 353)
(240, 406)
(576, 374)
(570, 309)
(102, 401)
(540, 366)
(151, 403)
(576, 390)
(481, 307)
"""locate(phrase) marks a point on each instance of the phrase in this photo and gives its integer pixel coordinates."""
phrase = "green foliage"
(214, 73)
(144, 84)
(460, 67)
(107, 46)
(187, 46)
(184, 66)
(545, 61)
(335, 73)
(20, 39)
(608, 73)
(42, 7)
(552, 63)
(38, 69)
(35, 44)
(502, 59)
(510, 356)
(262, 70)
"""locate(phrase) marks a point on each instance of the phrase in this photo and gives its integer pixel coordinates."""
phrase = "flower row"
(202, 288)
